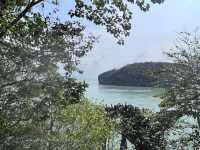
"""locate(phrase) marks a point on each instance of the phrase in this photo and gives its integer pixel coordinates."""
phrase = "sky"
(153, 33)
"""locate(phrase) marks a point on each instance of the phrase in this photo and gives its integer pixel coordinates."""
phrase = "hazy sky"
(152, 33)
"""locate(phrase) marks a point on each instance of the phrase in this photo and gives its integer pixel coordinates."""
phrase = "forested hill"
(147, 74)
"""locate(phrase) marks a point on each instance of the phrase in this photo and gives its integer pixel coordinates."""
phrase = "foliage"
(32, 45)
(183, 94)
(147, 74)
(181, 101)
(142, 127)
(86, 126)
(31, 88)
(115, 15)
(29, 121)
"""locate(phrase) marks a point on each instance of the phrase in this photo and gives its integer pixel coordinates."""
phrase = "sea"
(142, 97)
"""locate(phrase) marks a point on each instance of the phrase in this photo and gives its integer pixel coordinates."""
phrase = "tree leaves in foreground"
(183, 94)
(32, 45)
(86, 127)
(31, 87)
(114, 15)
(143, 128)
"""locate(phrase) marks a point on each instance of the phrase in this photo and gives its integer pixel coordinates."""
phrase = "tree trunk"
(198, 120)
(2, 5)
(123, 144)
(142, 146)
(104, 145)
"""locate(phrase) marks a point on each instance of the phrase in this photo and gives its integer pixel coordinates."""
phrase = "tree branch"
(21, 15)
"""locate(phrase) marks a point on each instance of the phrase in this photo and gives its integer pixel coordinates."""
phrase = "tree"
(142, 127)
(181, 99)
(113, 14)
(183, 94)
(31, 87)
(32, 44)
(86, 126)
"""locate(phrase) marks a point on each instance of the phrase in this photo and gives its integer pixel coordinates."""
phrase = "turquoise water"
(142, 97)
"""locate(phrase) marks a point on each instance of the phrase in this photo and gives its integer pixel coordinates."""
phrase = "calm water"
(142, 97)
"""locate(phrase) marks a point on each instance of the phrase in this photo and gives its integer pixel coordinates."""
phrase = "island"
(146, 74)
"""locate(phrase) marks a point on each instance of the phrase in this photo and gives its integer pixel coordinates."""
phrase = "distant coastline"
(147, 74)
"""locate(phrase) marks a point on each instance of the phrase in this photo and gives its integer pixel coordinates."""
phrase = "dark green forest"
(147, 74)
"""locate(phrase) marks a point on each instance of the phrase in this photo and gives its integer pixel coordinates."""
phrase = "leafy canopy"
(183, 94)
(32, 45)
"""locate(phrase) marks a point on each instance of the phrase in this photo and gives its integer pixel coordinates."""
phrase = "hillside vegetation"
(147, 74)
